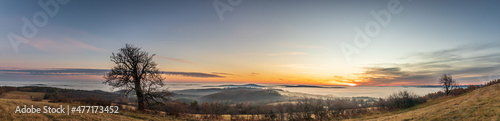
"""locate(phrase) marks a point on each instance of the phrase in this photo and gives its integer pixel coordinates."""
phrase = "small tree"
(2, 90)
(135, 71)
(448, 83)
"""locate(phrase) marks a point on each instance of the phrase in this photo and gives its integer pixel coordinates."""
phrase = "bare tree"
(448, 83)
(135, 71)
(1, 90)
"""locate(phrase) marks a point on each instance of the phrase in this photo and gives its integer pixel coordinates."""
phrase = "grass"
(8, 107)
(22, 95)
(480, 104)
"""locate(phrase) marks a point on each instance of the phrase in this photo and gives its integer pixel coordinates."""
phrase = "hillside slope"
(8, 107)
(480, 104)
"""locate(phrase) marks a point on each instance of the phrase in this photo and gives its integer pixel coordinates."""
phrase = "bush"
(47, 96)
(2, 90)
(492, 82)
(434, 95)
(36, 99)
(95, 101)
(175, 108)
(401, 100)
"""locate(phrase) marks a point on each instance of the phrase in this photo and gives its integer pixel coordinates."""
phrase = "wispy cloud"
(254, 74)
(221, 73)
(394, 76)
(59, 71)
(288, 53)
(194, 74)
(176, 59)
(466, 63)
(98, 72)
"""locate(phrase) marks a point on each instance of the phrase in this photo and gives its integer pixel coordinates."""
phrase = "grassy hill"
(480, 104)
(8, 106)
(22, 95)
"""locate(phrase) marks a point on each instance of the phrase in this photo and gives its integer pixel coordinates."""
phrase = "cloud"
(220, 73)
(59, 71)
(193, 74)
(176, 59)
(394, 75)
(254, 74)
(97, 72)
(469, 52)
(289, 53)
(475, 70)
(467, 63)
(384, 71)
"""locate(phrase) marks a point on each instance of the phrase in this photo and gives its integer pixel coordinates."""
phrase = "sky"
(321, 42)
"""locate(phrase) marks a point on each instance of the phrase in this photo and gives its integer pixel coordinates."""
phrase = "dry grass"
(481, 104)
(8, 107)
(22, 95)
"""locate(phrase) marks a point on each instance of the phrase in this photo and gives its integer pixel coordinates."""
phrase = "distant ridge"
(238, 86)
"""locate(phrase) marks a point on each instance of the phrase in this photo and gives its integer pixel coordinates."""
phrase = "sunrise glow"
(279, 45)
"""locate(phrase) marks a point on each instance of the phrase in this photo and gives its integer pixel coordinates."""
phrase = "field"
(22, 95)
(8, 107)
(481, 104)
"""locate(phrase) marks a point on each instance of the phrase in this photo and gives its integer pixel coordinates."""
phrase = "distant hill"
(480, 104)
(246, 85)
(244, 95)
(238, 86)
(310, 86)
(199, 91)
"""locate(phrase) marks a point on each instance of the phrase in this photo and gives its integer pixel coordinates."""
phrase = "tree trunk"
(140, 95)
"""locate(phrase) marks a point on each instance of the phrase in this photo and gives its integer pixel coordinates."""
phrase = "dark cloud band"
(100, 72)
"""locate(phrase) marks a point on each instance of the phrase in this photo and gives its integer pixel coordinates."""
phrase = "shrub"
(401, 100)
(434, 95)
(2, 90)
(492, 82)
(95, 101)
(47, 96)
(36, 99)
(175, 108)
